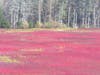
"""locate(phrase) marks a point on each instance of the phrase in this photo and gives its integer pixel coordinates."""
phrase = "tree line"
(52, 13)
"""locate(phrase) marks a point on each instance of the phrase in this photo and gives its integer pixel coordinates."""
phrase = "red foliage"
(51, 53)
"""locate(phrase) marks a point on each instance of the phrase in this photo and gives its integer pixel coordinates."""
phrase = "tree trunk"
(50, 10)
(69, 16)
(39, 11)
(94, 18)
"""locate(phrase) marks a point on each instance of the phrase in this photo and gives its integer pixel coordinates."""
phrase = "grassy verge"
(46, 29)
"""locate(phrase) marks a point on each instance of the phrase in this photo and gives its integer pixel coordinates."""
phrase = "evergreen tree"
(3, 21)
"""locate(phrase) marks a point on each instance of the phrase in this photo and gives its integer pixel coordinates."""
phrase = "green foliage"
(3, 22)
(67, 11)
(23, 24)
(19, 24)
(38, 25)
(48, 25)
(31, 24)
(54, 24)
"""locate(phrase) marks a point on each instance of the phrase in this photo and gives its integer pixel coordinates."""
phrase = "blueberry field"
(46, 52)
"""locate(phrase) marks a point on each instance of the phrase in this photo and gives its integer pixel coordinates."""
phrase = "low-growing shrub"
(38, 25)
(31, 24)
(19, 25)
(23, 25)
(3, 22)
(54, 24)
